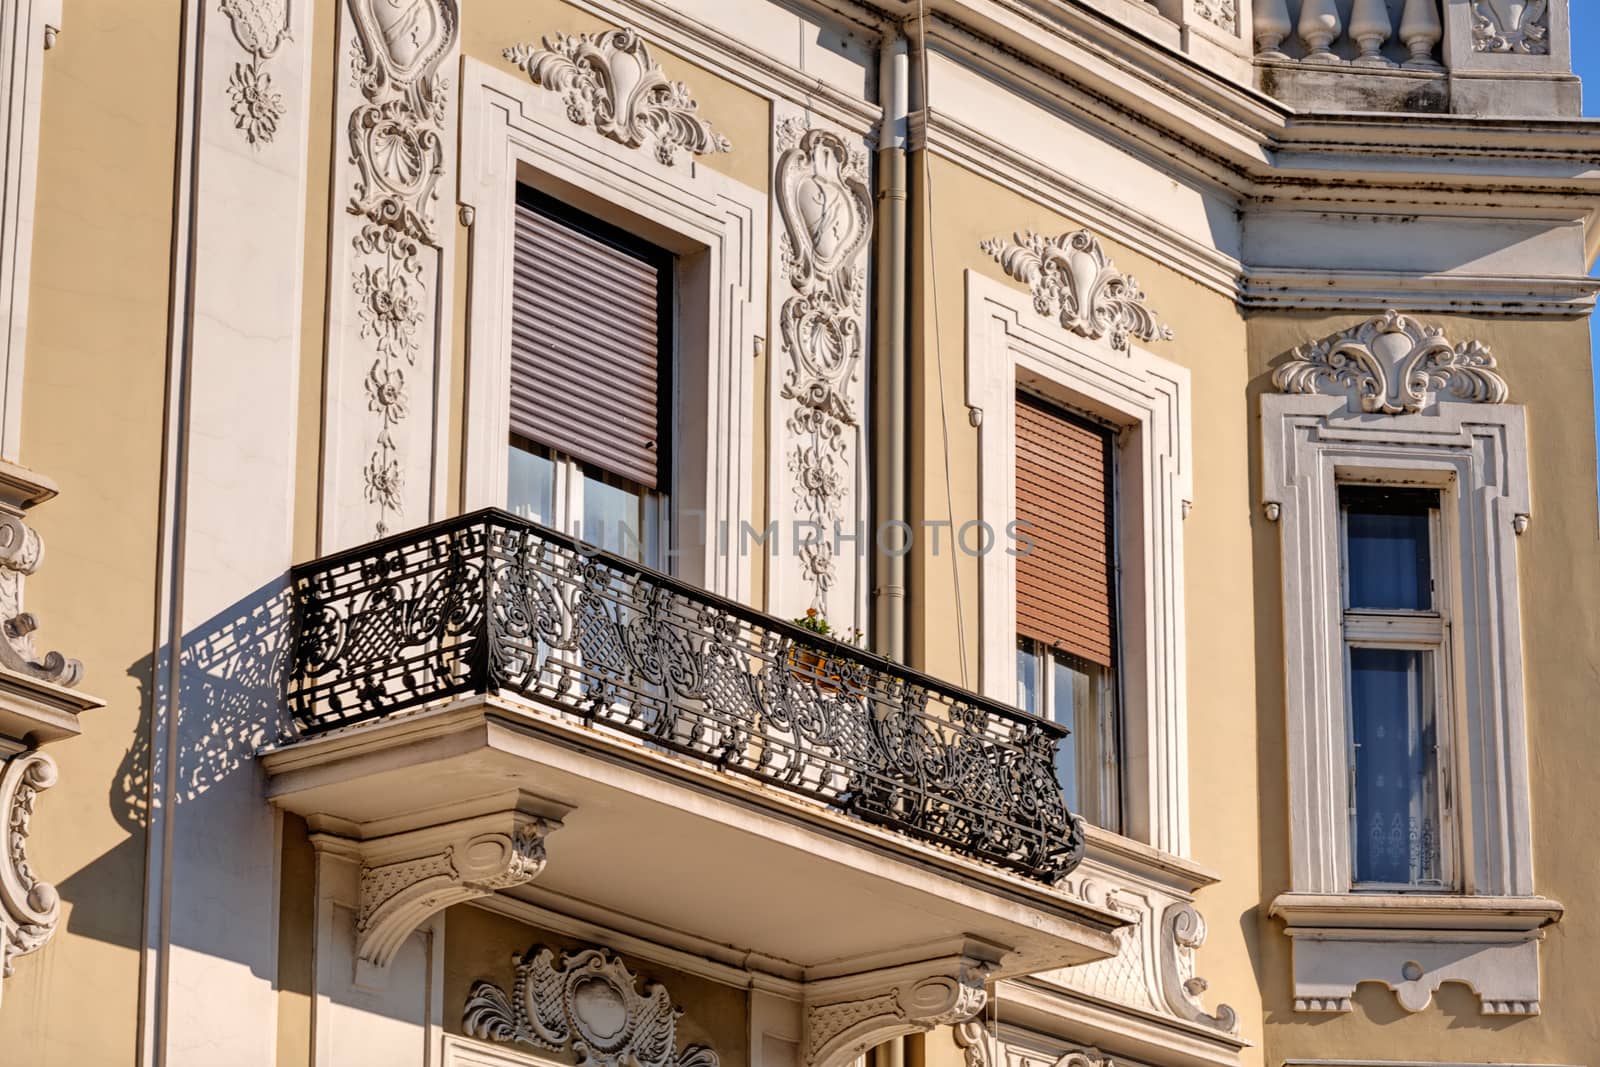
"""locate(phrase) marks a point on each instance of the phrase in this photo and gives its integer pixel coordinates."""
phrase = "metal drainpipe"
(889, 342)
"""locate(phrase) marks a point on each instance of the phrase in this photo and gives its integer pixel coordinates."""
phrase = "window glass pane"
(1027, 676)
(532, 489)
(1388, 554)
(1396, 766)
(614, 516)
(1073, 707)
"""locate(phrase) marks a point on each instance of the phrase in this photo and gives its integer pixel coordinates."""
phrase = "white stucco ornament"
(1393, 365)
(1520, 27)
(610, 82)
(29, 907)
(1075, 282)
(826, 208)
(590, 1003)
(260, 27)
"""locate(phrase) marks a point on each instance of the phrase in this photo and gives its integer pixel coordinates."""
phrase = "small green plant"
(818, 624)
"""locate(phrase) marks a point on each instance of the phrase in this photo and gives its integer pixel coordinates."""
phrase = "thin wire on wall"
(938, 351)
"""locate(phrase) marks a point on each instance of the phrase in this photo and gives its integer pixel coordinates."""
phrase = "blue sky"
(1586, 61)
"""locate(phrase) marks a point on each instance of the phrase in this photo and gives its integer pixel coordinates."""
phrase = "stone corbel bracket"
(1183, 930)
(406, 878)
(841, 1025)
(21, 553)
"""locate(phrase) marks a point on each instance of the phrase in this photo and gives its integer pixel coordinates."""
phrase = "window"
(1397, 669)
(1066, 598)
(1410, 840)
(591, 335)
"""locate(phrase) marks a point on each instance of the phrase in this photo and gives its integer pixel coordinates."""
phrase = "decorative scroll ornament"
(1183, 930)
(1076, 283)
(609, 81)
(838, 1033)
(977, 1046)
(591, 1004)
(826, 208)
(1517, 26)
(397, 146)
(1153, 970)
(20, 554)
(260, 27)
(397, 897)
(1393, 365)
(1221, 13)
(29, 908)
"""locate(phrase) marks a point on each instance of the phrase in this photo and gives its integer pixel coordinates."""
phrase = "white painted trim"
(1476, 455)
(513, 130)
(22, 75)
(1009, 343)
(458, 1051)
(1311, 289)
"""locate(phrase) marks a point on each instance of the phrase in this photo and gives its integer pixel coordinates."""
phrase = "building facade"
(966, 533)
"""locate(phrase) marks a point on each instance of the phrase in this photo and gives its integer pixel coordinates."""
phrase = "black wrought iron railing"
(490, 603)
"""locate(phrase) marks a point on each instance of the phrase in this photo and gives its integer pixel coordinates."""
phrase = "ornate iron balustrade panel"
(489, 603)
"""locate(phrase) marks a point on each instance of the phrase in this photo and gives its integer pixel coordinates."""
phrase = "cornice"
(1297, 289)
(1061, 192)
(1244, 143)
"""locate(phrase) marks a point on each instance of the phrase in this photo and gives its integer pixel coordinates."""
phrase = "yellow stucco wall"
(94, 384)
(1547, 366)
(1219, 580)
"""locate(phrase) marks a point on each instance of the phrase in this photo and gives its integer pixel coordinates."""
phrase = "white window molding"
(1392, 401)
(513, 131)
(27, 30)
(1011, 344)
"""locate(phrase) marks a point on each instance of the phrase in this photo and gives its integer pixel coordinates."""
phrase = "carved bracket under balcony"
(406, 878)
(590, 1003)
(841, 1028)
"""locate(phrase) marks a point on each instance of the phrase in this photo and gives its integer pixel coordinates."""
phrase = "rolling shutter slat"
(585, 344)
(1064, 592)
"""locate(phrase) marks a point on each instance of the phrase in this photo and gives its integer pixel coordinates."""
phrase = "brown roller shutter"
(586, 336)
(1064, 590)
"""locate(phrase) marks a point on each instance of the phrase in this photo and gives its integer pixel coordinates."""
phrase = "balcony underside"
(684, 853)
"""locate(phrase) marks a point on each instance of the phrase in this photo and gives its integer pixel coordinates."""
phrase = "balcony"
(485, 700)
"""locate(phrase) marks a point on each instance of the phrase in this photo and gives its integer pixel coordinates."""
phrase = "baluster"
(1320, 26)
(1272, 25)
(1420, 32)
(1370, 27)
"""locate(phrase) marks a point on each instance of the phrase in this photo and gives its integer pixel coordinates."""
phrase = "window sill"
(1414, 943)
(1409, 913)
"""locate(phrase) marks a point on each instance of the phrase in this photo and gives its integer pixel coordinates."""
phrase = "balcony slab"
(795, 889)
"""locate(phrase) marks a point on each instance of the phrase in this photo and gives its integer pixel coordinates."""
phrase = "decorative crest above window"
(1393, 365)
(609, 81)
(1074, 281)
(590, 1004)
(1517, 26)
